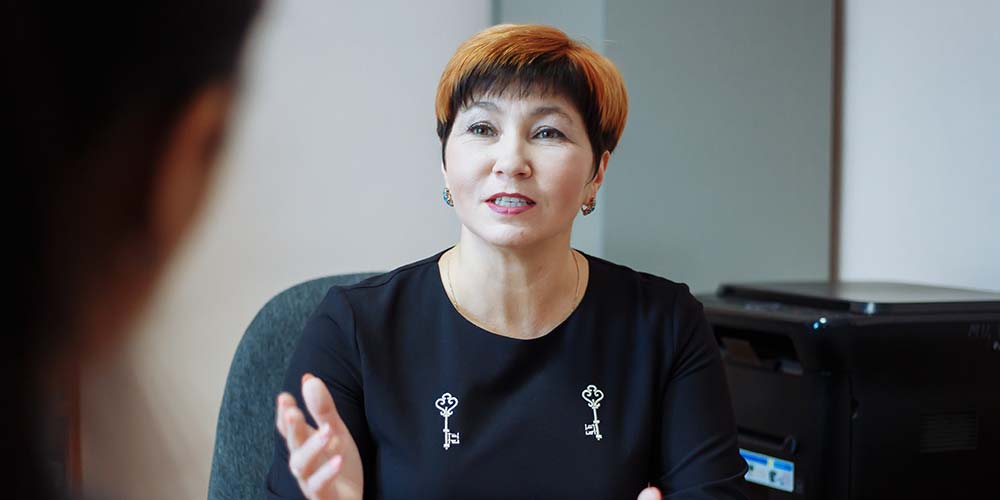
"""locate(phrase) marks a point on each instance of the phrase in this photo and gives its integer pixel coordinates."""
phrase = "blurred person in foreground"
(511, 365)
(116, 114)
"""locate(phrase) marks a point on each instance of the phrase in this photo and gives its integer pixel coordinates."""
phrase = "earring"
(446, 196)
(589, 207)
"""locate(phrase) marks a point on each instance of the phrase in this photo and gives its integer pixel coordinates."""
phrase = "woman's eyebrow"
(487, 105)
(539, 111)
(551, 110)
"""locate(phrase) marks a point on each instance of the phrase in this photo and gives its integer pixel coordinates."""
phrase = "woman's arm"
(328, 350)
(697, 455)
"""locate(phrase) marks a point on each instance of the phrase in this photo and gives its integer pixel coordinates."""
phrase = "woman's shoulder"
(654, 304)
(381, 290)
(620, 275)
(639, 286)
(417, 270)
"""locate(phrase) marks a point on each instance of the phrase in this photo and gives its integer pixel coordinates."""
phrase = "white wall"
(723, 172)
(921, 142)
(333, 167)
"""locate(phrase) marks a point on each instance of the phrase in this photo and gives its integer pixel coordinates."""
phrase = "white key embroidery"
(593, 396)
(446, 404)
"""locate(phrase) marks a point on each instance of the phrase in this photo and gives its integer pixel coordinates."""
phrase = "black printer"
(863, 390)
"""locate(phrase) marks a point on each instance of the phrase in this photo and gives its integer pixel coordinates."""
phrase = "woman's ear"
(185, 169)
(598, 179)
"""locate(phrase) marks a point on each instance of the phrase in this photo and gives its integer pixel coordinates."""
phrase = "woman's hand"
(324, 461)
(650, 493)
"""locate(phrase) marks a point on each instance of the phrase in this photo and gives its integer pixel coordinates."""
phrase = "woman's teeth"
(506, 201)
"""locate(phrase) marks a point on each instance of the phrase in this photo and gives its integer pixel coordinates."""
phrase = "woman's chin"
(510, 238)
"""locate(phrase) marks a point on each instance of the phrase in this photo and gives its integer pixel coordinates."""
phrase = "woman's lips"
(510, 204)
(508, 210)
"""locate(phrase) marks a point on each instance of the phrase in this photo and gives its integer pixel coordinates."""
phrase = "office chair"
(244, 435)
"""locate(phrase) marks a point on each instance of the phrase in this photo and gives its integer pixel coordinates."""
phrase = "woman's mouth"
(510, 204)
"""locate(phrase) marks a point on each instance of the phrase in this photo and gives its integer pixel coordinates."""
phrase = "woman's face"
(519, 168)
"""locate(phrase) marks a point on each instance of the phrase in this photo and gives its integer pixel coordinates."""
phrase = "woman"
(117, 111)
(511, 365)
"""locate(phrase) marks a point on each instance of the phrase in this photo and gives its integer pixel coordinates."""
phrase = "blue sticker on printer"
(769, 471)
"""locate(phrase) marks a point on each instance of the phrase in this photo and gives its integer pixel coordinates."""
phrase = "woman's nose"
(511, 158)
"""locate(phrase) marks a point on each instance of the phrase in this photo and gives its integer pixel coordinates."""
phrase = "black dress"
(628, 390)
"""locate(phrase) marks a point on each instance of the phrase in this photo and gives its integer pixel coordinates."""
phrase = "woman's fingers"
(319, 482)
(320, 403)
(296, 427)
(284, 402)
(310, 450)
(650, 494)
(304, 460)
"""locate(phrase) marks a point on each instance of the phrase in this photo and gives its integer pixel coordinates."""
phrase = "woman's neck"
(520, 293)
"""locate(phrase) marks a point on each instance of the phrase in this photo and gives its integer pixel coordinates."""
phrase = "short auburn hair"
(532, 58)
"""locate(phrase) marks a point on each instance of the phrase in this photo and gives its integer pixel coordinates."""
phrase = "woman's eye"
(481, 129)
(549, 133)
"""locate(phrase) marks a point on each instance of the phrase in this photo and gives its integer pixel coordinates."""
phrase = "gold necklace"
(473, 320)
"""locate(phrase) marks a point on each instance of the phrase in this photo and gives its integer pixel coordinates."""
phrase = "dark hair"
(525, 59)
(95, 87)
(98, 87)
